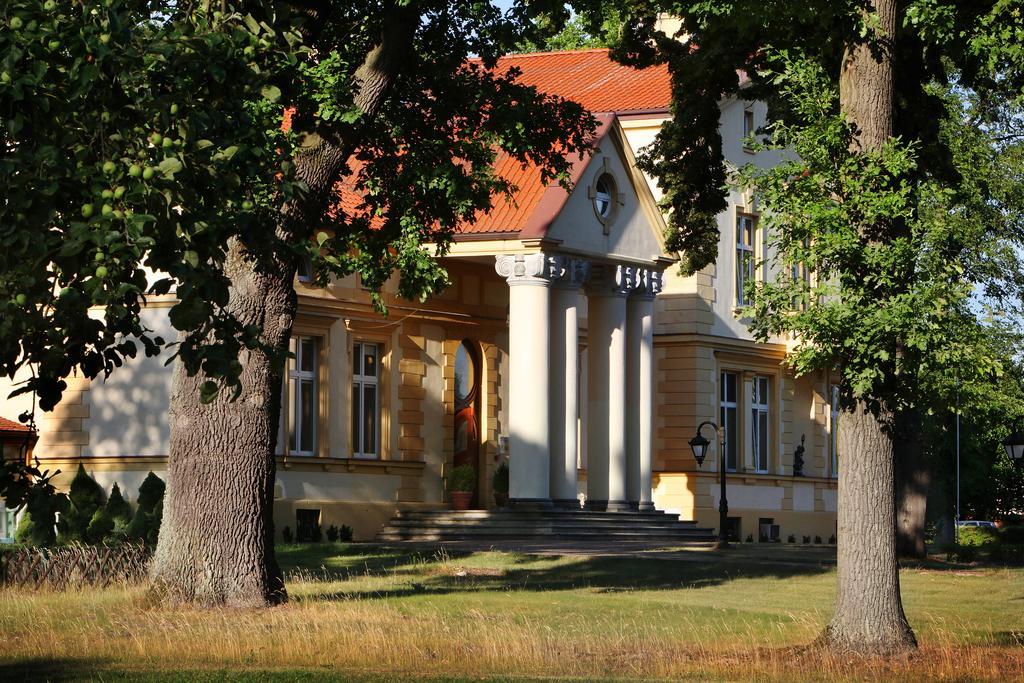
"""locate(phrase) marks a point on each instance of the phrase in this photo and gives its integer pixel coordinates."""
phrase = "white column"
(640, 388)
(529, 376)
(606, 415)
(569, 275)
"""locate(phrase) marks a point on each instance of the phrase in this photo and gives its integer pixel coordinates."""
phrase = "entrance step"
(542, 525)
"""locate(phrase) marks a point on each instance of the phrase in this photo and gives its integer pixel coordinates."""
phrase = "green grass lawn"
(377, 614)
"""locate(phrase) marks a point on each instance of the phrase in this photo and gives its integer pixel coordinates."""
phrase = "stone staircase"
(483, 526)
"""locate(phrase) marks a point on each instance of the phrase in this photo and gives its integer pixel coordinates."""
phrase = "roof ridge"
(546, 53)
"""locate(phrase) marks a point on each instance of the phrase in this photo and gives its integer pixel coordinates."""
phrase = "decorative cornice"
(609, 280)
(646, 283)
(568, 272)
(525, 269)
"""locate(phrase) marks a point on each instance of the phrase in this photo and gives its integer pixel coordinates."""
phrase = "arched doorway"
(467, 410)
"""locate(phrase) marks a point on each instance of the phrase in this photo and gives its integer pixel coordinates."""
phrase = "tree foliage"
(141, 136)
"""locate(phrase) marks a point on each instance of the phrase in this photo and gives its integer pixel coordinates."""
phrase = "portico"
(546, 290)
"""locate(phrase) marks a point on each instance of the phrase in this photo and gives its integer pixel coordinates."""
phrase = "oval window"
(465, 381)
(603, 190)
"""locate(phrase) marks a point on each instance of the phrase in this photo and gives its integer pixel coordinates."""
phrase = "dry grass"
(492, 615)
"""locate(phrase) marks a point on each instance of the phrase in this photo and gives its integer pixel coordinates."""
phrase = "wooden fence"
(73, 567)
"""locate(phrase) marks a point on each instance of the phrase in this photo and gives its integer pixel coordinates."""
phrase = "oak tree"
(879, 202)
(146, 152)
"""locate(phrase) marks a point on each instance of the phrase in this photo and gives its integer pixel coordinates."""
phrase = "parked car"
(976, 522)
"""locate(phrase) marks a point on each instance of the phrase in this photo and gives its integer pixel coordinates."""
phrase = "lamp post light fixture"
(1014, 446)
(700, 444)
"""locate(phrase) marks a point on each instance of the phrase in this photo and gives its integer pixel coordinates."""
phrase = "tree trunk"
(913, 481)
(216, 544)
(869, 616)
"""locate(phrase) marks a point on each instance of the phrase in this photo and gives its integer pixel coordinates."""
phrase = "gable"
(634, 227)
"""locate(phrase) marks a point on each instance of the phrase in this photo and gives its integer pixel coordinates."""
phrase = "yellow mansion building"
(568, 346)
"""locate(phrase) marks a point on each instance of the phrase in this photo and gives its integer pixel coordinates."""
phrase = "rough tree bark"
(868, 616)
(216, 544)
(913, 481)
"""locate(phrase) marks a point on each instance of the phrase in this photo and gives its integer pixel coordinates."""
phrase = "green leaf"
(170, 166)
(208, 391)
(271, 93)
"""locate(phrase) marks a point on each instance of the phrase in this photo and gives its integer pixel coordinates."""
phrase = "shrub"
(977, 535)
(26, 532)
(791, 539)
(138, 528)
(817, 540)
(462, 478)
(117, 507)
(807, 540)
(286, 534)
(750, 538)
(332, 533)
(960, 553)
(1012, 534)
(145, 525)
(832, 539)
(317, 534)
(151, 492)
(1010, 553)
(499, 482)
(100, 526)
(346, 533)
(153, 532)
(86, 498)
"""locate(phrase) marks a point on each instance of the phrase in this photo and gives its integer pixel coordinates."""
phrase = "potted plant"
(461, 484)
(499, 482)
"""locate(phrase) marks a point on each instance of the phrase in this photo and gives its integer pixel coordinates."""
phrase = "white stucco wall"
(631, 232)
(128, 410)
(743, 497)
(331, 486)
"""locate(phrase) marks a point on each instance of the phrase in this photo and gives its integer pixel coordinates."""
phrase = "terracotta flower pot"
(500, 499)
(461, 499)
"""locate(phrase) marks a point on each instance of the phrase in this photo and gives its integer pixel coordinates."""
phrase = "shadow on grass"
(91, 670)
(601, 574)
(340, 561)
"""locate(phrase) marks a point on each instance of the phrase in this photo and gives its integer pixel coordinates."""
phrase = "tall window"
(746, 241)
(760, 423)
(748, 127)
(729, 418)
(365, 400)
(801, 276)
(834, 431)
(305, 270)
(302, 390)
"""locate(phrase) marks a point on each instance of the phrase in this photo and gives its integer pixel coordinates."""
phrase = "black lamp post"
(1014, 446)
(699, 444)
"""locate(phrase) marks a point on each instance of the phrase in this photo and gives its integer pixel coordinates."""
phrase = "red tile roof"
(602, 86)
(591, 78)
(11, 426)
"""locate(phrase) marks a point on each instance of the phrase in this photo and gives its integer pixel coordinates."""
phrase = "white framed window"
(366, 407)
(729, 413)
(760, 423)
(801, 275)
(8, 523)
(748, 127)
(746, 245)
(305, 269)
(301, 400)
(833, 428)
